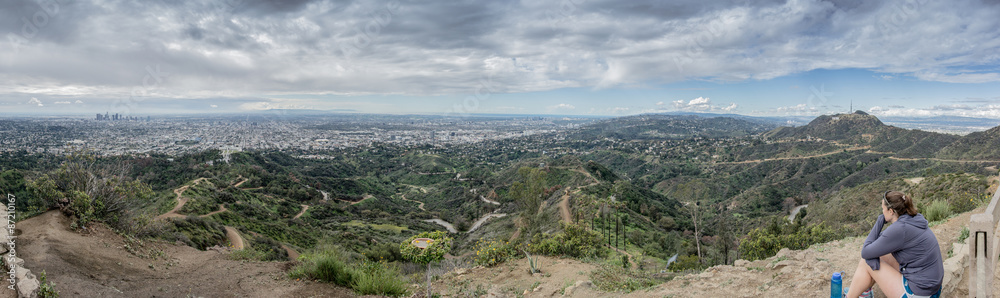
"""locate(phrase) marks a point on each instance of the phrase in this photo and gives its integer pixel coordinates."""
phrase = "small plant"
(625, 263)
(964, 234)
(493, 252)
(46, 288)
(532, 269)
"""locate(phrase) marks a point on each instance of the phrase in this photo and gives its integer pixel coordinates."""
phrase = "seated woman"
(904, 260)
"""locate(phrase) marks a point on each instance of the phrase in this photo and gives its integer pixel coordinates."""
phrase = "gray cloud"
(250, 48)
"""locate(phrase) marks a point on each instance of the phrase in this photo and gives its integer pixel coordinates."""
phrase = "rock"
(580, 284)
(27, 284)
(461, 271)
(954, 267)
(784, 263)
(741, 263)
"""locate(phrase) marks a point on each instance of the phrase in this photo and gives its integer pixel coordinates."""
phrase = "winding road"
(181, 200)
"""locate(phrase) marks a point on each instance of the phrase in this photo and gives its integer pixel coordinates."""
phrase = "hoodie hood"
(917, 221)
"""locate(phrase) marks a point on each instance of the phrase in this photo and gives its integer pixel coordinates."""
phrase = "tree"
(528, 193)
(434, 252)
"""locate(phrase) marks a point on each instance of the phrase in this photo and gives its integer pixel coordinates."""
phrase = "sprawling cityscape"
(173, 135)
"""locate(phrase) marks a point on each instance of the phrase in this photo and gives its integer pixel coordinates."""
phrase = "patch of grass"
(382, 227)
(378, 278)
(332, 264)
(964, 234)
(614, 278)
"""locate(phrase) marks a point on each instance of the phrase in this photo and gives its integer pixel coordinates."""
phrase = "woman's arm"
(878, 244)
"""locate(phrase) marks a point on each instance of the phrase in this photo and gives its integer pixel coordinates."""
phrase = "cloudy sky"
(586, 57)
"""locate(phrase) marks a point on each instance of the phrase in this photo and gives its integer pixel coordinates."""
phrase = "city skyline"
(570, 57)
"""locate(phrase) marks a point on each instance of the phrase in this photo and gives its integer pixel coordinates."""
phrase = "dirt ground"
(791, 273)
(511, 279)
(99, 264)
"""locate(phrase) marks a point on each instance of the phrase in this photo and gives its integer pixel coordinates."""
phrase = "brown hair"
(900, 202)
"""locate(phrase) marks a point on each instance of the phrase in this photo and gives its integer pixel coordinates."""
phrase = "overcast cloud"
(240, 54)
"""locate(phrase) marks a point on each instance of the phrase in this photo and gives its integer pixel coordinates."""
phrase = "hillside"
(983, 145)
(862, 129)
(659, 127)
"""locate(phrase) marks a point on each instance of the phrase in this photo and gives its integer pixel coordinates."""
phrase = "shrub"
(384, 252)
(434, 252)
(196, 232)
(332, 264)
(378, 278)
(765, 242)
(91, 192)
(575, 241)
(492, 252)
(46, 288)
(938, 210)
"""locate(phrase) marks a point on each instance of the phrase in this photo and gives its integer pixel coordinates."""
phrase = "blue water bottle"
(836, 286)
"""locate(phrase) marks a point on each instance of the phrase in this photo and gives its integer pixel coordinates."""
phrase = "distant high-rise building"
(98, 117)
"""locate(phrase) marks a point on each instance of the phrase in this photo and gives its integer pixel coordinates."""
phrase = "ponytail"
(901, 203)
(908, 205)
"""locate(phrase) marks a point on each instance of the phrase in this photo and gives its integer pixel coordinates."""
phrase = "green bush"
(434, 252)
(937, 210)
(46, 289)
(575, 241)
(196, 232)
(332, 264)
(765, 242)
(384, 252)
(492, 252)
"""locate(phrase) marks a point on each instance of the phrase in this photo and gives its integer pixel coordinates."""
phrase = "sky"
(568, 57)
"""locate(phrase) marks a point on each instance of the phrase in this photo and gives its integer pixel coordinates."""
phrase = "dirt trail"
(234, 237)
(98, 264)
(798, 157)
(304, 208)
(241, 182)
(363, 198)
(181, 200)
(292, 254)
(943, 160)
(564, 209)
(222, 208)
(421, 206)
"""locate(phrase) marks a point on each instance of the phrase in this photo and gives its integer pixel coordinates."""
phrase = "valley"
(666, 195)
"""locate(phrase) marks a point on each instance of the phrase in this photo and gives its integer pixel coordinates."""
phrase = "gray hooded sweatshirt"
(914, 246)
